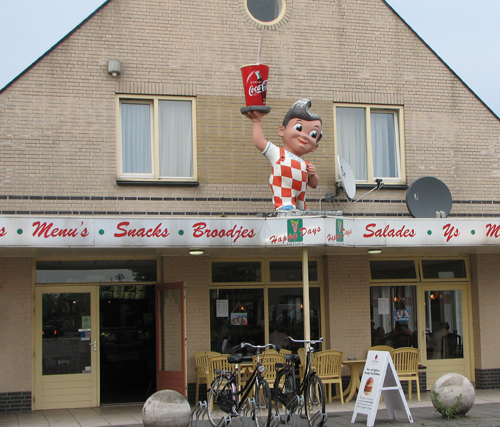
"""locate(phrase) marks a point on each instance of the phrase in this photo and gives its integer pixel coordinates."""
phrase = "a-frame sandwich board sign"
(380, 378)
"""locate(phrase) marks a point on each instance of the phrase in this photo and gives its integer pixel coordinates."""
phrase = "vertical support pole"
(305, 296)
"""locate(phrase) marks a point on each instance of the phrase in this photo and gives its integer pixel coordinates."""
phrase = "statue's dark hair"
(300, 110)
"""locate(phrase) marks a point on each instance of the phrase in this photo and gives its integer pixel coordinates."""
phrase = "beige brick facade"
(484, 301)
(363, 53)
(16, 334)
(58, 144)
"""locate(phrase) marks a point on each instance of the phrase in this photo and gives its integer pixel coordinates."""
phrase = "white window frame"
(153, 102)
(397, 112)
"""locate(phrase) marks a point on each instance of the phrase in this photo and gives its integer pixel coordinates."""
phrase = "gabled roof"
(387, 4)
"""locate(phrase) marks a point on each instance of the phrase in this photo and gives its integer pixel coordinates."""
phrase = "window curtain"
(385, 164)
(351, 138)
(136, 138)
(176, 139)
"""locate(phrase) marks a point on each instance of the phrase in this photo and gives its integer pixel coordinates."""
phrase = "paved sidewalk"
(481, 415)
(484, 413)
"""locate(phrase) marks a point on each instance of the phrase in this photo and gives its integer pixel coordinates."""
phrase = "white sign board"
(379, 377)
(201, 232)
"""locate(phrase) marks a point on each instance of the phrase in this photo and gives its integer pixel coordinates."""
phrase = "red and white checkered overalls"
(288, 178)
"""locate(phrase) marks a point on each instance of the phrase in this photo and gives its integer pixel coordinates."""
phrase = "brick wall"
(194, 271)
(348, 303)
(11, 403)
(15, 333)
(58, 120)
(485, 285)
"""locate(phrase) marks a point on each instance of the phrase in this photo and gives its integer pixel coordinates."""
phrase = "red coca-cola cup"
(255, 85)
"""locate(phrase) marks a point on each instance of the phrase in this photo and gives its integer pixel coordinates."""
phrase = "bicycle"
(311, 386)
(225, 393)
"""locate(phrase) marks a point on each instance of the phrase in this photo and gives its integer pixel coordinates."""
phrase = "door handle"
(94, 343)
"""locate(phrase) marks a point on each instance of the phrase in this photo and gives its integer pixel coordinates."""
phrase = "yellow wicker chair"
(284, 351)
(381, 348)
(201, 362)
(218, 362)
(406, 363)
(269, 360)
(328, 365)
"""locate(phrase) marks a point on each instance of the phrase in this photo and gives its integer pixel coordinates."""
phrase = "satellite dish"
(428, 197)
(347, 177)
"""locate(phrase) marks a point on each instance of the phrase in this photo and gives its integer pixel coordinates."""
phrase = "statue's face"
(301, 136)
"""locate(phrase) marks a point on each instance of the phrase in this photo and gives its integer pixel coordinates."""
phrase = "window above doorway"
(371, 139)
(156, 139)
(108, 271)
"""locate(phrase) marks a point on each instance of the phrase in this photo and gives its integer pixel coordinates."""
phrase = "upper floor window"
(370, 139)
(157, 139)
(266, 11)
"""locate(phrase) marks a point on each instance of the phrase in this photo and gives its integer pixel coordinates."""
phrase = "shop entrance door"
(66, 341)
(171, 338)
(445, 325)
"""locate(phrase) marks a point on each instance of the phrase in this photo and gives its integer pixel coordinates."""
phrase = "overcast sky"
(464, 33)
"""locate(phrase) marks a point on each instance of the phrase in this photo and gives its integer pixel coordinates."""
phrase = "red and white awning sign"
(27, 231)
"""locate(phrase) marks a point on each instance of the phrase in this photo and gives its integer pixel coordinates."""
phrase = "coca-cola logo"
(257, 88)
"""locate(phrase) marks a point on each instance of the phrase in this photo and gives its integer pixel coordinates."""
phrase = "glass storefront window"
(393, 270)
(96, 271)
(236, 316)
(394, 316)
(286, 315)
(444, 269)
(65, 345)
(236, 272)
(443, 323)
(291, 271)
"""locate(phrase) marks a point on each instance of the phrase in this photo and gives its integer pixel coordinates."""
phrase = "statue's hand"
(255, 116)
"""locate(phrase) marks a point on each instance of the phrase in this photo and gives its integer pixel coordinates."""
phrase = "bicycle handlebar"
(257, 347)
(305, 341)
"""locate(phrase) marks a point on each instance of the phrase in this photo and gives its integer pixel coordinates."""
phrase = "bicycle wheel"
(263, 403)
(220, 399)
(314, 399)
(284, 392)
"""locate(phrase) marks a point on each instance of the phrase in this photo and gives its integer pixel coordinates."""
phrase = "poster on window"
(383, 306)
(239, 319)
(129, 292)
(222, 308)
(106, 292)
(140, 292)
(402, 315)
(118, 291)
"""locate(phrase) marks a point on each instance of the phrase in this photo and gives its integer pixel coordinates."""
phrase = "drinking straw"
(260, 51)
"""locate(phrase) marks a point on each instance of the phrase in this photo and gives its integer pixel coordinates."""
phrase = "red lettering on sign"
(313, 231)
(47, 230)
(450, 231)
(200, 230)
(157, 232)
(388, 231)
(493, 230)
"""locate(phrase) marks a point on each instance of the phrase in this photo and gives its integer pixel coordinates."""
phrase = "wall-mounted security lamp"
(374, 251)
(114, 67)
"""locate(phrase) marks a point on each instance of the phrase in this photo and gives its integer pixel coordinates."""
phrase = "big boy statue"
(301, 131)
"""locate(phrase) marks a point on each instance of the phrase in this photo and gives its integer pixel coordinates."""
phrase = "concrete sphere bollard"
(166, 408)
(453, 392)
